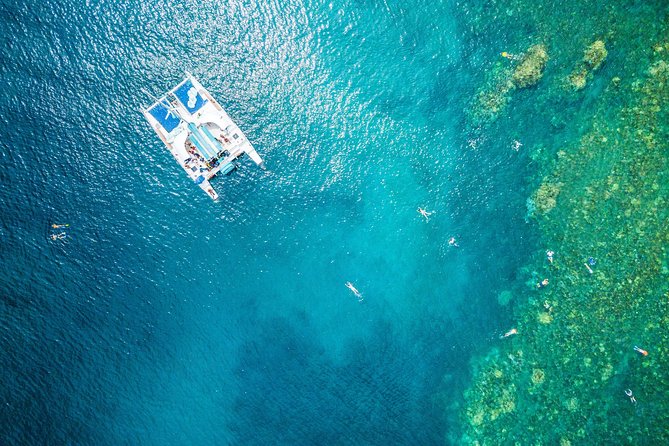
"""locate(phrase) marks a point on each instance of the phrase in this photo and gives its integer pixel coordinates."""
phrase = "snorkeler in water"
(55, 226)
(453, 242)
(355, 291)
(640, 350)
(425, 213)
(511, 332)
(510, 56)
(628, 392)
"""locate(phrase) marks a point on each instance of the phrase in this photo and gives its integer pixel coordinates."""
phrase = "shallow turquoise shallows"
(166, 318)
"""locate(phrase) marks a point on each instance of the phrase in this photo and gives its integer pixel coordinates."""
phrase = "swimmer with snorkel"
(425, 213)
(354, 290)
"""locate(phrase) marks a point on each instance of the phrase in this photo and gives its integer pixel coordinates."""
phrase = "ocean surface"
(166, 318)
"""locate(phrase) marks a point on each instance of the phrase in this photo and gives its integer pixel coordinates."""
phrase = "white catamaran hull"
(199, 134)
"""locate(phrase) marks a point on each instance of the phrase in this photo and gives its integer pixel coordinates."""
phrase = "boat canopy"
(204, 141)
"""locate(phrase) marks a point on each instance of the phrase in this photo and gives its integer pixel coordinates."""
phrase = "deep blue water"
(166, 318)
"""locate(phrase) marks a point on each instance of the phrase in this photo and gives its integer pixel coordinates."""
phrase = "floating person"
(58, 236)
(591, 262)
(355, 291)
(640, 350)
(628, 392)
(549, 255)
(543, 283)
(517, 145)
(55, 226)
(453, 242)
(425, 213)
(511, 332)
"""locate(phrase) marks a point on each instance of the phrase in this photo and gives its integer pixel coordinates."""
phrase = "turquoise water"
(166, 318)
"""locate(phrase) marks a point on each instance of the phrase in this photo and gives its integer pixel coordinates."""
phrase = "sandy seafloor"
(166, 318)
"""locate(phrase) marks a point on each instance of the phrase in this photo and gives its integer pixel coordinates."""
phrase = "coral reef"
(579, 78)
(610, 178)
(571, 404)
(504, 297)
(538, 376)
(544, 318)
(612, 192)
(493, 97)
(490, 103)
(531, 67)
(496, 93)
(545, 198)
(593, 57)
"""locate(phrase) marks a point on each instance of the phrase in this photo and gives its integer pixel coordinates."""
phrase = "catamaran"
(199, 134)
